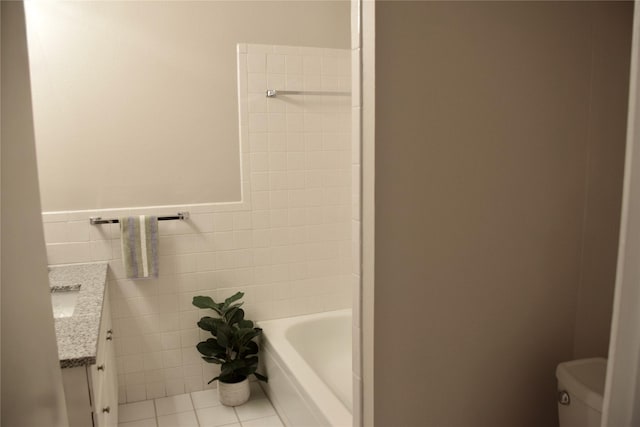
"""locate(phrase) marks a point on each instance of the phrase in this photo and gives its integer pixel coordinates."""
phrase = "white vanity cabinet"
(91, 391)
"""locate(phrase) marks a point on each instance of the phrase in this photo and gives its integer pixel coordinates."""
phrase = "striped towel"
(140, 246)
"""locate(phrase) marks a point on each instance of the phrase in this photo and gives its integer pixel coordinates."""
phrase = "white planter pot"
(234, 394)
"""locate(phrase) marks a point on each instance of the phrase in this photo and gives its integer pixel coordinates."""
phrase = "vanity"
(86, 351)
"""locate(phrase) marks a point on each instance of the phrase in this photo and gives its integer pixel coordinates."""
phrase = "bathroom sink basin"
(64, 300)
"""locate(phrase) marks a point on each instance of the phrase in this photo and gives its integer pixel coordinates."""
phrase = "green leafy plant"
(233, 345)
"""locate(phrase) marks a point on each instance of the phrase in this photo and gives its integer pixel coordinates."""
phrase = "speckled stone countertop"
(78, 335)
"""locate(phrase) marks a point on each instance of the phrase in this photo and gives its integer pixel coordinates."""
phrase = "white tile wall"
(287, 245)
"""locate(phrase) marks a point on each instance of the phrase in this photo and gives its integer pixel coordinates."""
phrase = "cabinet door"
(104, 375)
(76, 390)
(111, 393)
(107, 406)
(91, 392)
(109, 415)
(98, 374)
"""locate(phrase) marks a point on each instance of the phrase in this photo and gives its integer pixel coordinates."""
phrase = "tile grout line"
(237, 416)
(155, 412)
(194, 408)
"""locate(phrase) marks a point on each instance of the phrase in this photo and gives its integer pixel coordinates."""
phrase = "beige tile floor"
(199, 409)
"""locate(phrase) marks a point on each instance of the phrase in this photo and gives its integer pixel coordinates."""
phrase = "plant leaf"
(211, 348)
(246, 371)
(226, 372)
(234, 315)
(251, 348)
(209, 324)
(207, 302)
(245, 324)
(244, 336)
(225, 335)
(204, 302)
(233, 365)
(261, 377)
(233, 347)
(232, 298)
(251, 361)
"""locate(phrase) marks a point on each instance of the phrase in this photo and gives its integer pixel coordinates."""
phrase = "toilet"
(580, 391)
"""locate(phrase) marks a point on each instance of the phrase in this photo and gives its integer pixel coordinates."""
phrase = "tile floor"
(199, 409)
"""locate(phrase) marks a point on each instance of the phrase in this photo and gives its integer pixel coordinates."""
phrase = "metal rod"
(272, 93)
(97, 220)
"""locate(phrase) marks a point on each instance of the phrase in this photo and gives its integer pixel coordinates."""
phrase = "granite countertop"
(77, 335)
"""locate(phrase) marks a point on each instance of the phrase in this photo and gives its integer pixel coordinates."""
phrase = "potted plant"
(233, 346)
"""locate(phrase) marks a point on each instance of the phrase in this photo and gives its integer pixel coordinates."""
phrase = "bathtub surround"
(310, 378)
(509, 115)
(287, 245)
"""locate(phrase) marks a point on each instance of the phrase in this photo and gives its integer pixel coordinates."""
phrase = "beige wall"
(135, 102)
(32, 392)
(483, 132)
(607, 129)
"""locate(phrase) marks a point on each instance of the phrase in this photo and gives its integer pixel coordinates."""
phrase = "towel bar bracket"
(97, 220)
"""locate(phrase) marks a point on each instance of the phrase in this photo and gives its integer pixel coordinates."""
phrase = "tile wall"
(287, 245)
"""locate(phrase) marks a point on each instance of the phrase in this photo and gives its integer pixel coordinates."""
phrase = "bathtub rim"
(314, 390)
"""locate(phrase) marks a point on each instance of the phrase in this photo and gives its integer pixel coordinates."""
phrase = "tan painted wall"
(136, 102)
(32, 392)
(482, 131)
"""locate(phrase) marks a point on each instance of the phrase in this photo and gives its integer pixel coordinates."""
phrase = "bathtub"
(308, 361)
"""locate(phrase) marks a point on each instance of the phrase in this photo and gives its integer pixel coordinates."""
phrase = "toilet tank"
(580, 390)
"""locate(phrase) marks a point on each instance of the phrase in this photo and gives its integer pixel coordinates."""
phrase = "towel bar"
(97, 220)
(272, 93)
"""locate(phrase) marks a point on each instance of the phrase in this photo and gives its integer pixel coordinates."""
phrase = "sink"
(63, 300)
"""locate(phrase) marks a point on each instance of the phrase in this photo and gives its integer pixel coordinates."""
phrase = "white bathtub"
(308, 361)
